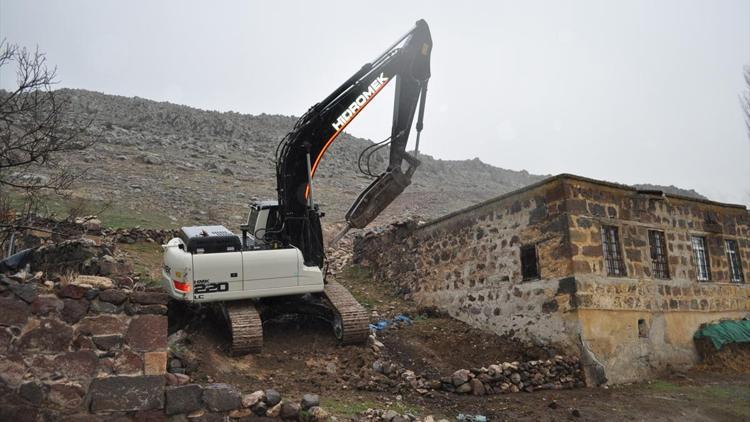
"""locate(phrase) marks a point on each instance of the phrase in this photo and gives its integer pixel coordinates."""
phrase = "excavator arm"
(406, 64)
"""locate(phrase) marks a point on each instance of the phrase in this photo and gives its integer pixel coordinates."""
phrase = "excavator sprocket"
(246, 327)
(351, 324)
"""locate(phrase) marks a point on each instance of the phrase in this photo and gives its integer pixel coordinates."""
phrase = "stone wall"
(66, 349)
(591, 205)
(468, 264)
(90, 350)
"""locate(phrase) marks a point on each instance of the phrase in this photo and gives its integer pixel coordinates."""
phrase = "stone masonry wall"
(70, 348)
(630, 327)
(468, 264)
(638, 325)
(592, 205)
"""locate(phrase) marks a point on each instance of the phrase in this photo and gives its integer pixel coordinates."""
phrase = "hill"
(191, 165)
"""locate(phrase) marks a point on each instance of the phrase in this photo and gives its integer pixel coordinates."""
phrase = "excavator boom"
(407, 65)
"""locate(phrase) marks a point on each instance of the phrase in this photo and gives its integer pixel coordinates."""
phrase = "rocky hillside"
(192, 165)
(196, 165)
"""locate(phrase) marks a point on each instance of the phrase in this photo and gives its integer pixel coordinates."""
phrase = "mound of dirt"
(734, 357)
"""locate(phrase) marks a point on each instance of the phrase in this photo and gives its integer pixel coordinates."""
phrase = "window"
(642, 328)
(612, 252)
(659, 262)
(735, 266)
(529, 262)
(700, 255)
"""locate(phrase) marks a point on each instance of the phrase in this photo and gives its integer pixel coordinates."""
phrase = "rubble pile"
(196, 401)
(511, 377)
(77, 256)
(137, 234)
(507, 377)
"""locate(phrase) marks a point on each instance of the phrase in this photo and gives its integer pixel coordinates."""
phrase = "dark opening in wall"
(529, 262)
(642, 328)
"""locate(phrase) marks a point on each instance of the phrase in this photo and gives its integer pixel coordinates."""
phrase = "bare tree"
(36, 125)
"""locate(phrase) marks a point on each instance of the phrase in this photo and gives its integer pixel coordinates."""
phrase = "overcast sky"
(627, 91)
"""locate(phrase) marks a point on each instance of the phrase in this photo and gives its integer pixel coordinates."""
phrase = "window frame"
(706, 257)
(538, 275)
(735, 273)
(657, 241)
(614, 260)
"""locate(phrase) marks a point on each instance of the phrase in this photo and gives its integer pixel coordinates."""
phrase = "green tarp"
(725, 332)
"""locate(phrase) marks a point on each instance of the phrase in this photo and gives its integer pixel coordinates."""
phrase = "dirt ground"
(301, 356)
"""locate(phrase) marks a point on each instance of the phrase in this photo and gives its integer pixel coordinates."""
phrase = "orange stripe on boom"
(333, 137)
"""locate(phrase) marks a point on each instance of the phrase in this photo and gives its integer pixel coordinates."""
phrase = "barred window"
(659, 262)
(700, 255)
(735, 266)
(529, 262)
(612, 252)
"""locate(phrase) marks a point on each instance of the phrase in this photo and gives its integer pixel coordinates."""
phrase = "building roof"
(568, 176)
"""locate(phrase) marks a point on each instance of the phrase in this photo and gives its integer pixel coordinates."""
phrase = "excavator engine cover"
(373, 200)
(210, 239)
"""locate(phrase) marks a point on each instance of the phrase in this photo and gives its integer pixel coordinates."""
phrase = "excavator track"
(351, 324)
(246, 327)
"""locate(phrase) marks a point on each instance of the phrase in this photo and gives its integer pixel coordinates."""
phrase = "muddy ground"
(301, 356)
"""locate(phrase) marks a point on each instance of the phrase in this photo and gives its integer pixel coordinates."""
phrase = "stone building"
(621, 276)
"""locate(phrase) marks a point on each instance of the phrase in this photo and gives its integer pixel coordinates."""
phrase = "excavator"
(277, 265)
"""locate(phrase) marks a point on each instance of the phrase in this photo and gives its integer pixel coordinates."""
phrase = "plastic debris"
(385, 323)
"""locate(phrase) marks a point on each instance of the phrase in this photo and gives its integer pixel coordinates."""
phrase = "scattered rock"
(183, 399)
(250, 400)
(317, 414)
(310, 400)
(289, 411)
(274, 411)
(221, 397)
(460, 377)
(477, 388)
(272, 397)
